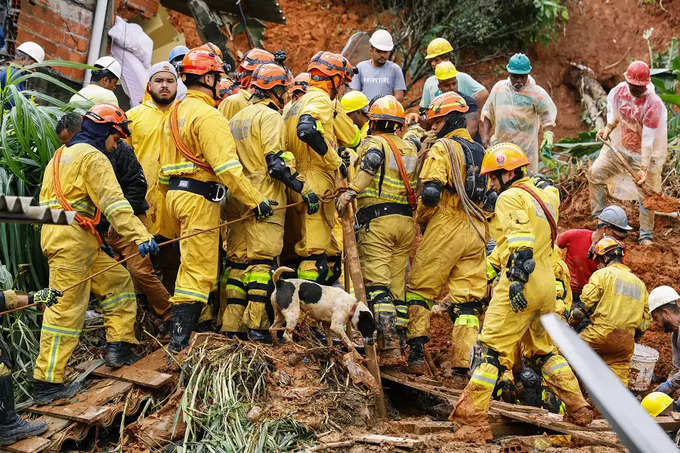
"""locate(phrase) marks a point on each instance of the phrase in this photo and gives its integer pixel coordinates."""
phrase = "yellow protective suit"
(319, 172)
(385, 241)
(258, 130)
(234, 103)
(443, 258)
(519, 223)
(87, 182)
(563, 293)
(617, 303)
(206, 133)
(147, 133)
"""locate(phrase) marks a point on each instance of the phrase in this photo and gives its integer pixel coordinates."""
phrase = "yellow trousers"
(615, 349)
(199, 255)
(63, 322)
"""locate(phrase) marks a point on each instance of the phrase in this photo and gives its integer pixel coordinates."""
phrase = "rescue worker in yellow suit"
(443, 258)
(616, 302)
(80, 177)
(258, 132)
(384, 187)
(238, 101)
(563, 293)
(315, 126)
(523, 226)
(198, 161)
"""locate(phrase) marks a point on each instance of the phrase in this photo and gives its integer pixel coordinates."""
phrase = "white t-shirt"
(95, 95)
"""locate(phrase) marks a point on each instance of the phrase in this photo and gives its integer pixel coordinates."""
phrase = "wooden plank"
(54, 424)
(668, 422)
(30, 445)
(131, 373)
(77, 412)
(378, 439)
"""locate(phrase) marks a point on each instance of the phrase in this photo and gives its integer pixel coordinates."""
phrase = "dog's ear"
(366, 324)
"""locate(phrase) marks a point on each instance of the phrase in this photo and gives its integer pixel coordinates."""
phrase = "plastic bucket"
(642, 367)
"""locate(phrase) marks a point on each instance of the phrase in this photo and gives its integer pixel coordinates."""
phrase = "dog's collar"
(353, 309)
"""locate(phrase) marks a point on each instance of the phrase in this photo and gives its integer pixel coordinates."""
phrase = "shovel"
(651, 200)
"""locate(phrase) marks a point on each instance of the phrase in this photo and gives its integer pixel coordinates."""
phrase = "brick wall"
(64, 27)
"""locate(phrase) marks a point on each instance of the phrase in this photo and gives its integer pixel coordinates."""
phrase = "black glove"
(280, 57)
(47, 296)
(345, 156)
(264, 210)
(520, 265)
(489, 201)
(106, 248)
(312, 202)
(541, 181)
(517, 300)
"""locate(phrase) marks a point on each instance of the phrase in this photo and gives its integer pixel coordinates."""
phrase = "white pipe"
(96, 37)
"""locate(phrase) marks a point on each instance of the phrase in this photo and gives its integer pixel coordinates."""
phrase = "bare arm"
(485, 131)
(481, 97)
(472, 123)
(399, 94)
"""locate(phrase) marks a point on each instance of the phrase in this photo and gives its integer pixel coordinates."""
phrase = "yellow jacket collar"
(152, 104)
(202, 96)
(620, 266)
(523, 180)
(462, 133)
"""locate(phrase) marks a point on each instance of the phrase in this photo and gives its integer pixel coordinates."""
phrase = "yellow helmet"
(353, 101)
(656, 402)
(606, 245)
(503, 156)
(438, 46)
(445, 71)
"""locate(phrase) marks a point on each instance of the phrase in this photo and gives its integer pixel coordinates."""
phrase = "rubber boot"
(389, 352)
(46, 392)
(416, 357)
(459, 377)
(119, 353)
(184, 319)
(582, 416)
(12, 427)
(260, 336)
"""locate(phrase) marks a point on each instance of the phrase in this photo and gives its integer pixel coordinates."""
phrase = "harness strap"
(186, 152)
(548, 215)
(410, 193)
(86, 223)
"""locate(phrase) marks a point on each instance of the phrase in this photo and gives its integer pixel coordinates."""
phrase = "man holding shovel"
(636, 127)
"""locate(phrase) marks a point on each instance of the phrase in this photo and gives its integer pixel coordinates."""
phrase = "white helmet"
(662, 295)
(111, 64)
(33, 50)
(382, 40)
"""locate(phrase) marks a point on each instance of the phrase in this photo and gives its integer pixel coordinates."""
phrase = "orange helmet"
(269, 75)
(606, 245)
(210, 47)
(331, 64)
(255, 57)
(387, 108)
(446, 103)
(201, 61)
(226, 87)
(503, 156)
(300, 83)
(109, 114)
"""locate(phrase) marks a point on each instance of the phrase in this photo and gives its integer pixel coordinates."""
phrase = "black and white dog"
(323, 303)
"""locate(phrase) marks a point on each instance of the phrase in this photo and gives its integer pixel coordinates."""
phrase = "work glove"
(506, 391)
(47, 296)
(517, 300)
(344, 199)
(264, 210)
(547, 143)
(491, 272)
(106, 248)
(665, 387)
(312, 202)
(541, 181)
(346, 162)
(576, 316)
(147, 247)
(489, 201)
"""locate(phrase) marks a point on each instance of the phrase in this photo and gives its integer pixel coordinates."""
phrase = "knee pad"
(484, 354)
(380, 299)
(320, 272)
(474, 307)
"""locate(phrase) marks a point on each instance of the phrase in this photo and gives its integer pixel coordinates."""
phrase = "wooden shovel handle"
(625, 163)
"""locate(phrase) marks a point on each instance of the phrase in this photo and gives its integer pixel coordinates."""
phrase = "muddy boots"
(13, 427)
(119, 353)
(380, 301)
(184, 319)
(46, 392)
(416, 357)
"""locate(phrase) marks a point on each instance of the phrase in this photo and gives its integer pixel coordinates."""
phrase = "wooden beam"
(77, 412)
(378, 439)
(30, 445)
(131, 373)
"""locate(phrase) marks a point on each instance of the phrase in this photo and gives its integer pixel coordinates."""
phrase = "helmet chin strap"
(506, 185)
(212, 88)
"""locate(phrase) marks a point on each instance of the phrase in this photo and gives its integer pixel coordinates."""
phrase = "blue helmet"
(519, 64)
(177, 52)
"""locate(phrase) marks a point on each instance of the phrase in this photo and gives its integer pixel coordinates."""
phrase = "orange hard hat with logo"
(201, 61)
(331, 64)
(108, 113)
(387, 108)
(503, 156)
(446, 103)
(606, 245)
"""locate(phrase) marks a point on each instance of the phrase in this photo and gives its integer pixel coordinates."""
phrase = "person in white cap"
(147, 132)
(102, 83)
(665, 312)
(379, 76)
(27, 53)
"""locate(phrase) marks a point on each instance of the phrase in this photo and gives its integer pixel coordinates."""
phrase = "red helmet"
(269, 75)
(200, 61)
(109, 114)
(637, 73)
(253, 58)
